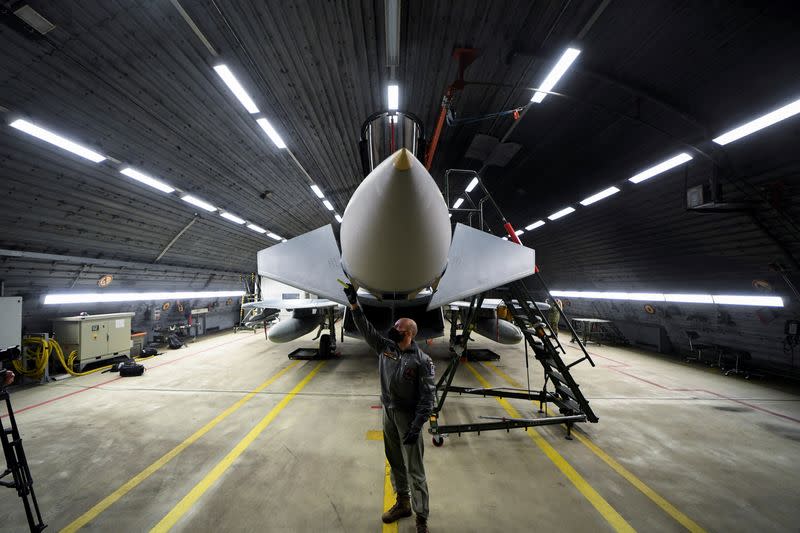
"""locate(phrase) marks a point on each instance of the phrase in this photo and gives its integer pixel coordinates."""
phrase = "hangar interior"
(591, 209)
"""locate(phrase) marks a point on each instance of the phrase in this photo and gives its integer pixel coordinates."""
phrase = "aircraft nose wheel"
(438, 441)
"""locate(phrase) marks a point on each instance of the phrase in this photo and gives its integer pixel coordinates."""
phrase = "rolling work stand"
(539, 335)
(17, 466)
(566, 394)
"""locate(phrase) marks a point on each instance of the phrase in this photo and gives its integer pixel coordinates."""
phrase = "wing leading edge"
(309, 262)
(479, 261)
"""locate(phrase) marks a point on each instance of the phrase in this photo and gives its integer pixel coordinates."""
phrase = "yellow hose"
(42, 349)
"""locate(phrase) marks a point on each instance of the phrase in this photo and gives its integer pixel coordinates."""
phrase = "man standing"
(407, 394)
(554, 315)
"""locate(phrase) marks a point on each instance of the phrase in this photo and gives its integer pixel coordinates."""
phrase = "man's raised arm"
(370, 334)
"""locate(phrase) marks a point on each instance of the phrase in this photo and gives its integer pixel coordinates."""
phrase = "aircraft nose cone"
(401, 160)
(395, 232)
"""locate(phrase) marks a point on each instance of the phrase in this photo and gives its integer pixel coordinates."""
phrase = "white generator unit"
(10, 321)
(95, 337)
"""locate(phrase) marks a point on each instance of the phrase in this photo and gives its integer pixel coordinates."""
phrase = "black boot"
(401, 509)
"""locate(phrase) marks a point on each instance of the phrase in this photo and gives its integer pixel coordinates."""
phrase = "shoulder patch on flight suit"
(431, 369)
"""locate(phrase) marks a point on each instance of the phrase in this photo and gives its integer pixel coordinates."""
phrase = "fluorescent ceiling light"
(34, 19)
(758, 124)
(537, 224)
(505, 238)
(612, 295)
(328, 205)
(198, 202)
(471, 185)
(232, 217)
(338, 218)
(147, 180)
(58, 140)
(392, 28)
(561, 67)
(317, 191)
(273, 236)
(393, 95)
(719, 299)
(661, 167)
(564, 212)
(283, 240)
(764, 301)
(255, 228)
(85, 298)
(689, 298)
(236, 88)
(599, 196)
(270, 131)
(458, 203)
(519, 232)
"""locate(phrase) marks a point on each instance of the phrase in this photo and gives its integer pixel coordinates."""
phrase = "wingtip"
(402, 161)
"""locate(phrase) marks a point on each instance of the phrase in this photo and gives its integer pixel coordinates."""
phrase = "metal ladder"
(535, 327)
(567, 396)
(17, 467)
(539, 336)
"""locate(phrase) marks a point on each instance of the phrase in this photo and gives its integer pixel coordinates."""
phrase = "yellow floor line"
(109, 500)
(388, 490)
(191, 498)
(605, 509)
(388, 497)
(670, 509)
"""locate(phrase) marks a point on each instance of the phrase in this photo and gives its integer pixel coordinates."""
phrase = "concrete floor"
(689, 446)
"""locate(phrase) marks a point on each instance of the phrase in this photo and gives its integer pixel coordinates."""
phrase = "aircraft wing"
(478, 262)
(308, 303)
(310, 262)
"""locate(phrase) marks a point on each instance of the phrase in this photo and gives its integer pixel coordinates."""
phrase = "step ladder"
(17, 475)
(572, 404)
(540, 337)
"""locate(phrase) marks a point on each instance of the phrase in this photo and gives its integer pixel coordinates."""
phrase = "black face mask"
(395, 335)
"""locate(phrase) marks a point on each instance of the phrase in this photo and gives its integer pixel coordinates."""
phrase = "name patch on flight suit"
(391, 355)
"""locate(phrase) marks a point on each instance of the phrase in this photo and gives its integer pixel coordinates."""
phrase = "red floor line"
(663, 387)
(51, 400)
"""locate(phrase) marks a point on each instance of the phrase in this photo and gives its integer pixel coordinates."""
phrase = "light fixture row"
(244, 98)
(566, 60)
(247, 102)
(145, 179)
(106, 297)
(675, 161)
(719, 299)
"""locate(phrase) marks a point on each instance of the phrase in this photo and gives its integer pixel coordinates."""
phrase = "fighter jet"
(398, 248)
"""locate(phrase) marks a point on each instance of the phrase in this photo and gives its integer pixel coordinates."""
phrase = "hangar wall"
(634, 242)
(32, 275)
(758, 331)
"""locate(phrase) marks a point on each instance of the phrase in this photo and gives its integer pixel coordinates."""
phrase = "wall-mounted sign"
(762, 285)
